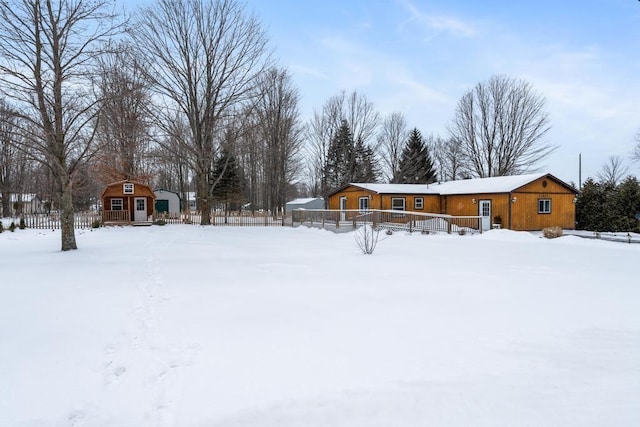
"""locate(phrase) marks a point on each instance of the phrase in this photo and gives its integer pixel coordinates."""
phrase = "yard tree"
(203, 59)
(501, 124)
(228, 192)
(612, 171)
(635, 155)
(9, 156)
(280, 133)
(416, 166)
(448, 157)
(125, 120)
(339, 165)
(360, 116)
(391, 138)
(48, 52)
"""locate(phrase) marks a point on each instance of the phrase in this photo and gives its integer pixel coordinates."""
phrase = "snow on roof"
(303, 201)
(500, 184)
(399, 188)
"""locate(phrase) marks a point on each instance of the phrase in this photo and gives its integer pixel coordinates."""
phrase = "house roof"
(499, 184)
(303, 201)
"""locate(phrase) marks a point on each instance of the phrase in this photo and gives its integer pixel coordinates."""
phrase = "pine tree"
(340, 163)
(366, 165)
(416, 166)
(228, 190)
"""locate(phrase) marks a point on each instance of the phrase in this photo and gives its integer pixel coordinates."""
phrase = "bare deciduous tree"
(124, 123)
(280, 132)
(361, 118)
(9, 156)
(203, 58)
(612, 171)
(635, 154)
(391, 138)
(48, 50)
(501, 124)
(448, 157)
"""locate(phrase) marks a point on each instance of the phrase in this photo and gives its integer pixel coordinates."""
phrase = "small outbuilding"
(308, 203)
(167, 202)
(128, 202)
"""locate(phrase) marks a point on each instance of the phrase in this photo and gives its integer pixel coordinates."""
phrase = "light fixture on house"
(575, 199)
(514, 200)
(474, 201)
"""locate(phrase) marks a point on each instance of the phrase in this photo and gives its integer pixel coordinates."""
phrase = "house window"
(418, 203)
(127, 188)
(397, 203)
(116, 204)
(363, 204)
(544, 206)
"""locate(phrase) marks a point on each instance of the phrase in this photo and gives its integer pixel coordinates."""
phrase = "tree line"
(188, 96)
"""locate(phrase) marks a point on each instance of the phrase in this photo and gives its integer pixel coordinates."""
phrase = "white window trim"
(415, 203)
(404, 203)
(543, 211)
(128, 188)
(121, 204)
(363, 207)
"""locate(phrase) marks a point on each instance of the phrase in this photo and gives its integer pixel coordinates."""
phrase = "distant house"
(308, 203)
(128, 202)
(25, 203)
(167, 202)
(520, 202)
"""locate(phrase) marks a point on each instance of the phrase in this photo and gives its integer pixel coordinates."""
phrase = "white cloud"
(439, 23)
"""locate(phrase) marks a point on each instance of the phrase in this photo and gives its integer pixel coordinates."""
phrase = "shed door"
(140, 213)
(162, 205)
(485, 213)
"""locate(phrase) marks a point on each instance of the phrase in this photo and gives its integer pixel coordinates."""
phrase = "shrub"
(12, 227)
(159, 222)
(96, 223)
(366, 239)
(1, 227)
(22, 225)
(552, 232)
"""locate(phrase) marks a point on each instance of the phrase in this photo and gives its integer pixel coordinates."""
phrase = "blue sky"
(419, 57)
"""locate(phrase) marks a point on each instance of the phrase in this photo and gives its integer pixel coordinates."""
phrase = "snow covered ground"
(229, 327)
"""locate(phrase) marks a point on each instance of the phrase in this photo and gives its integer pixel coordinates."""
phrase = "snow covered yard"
(229, 327)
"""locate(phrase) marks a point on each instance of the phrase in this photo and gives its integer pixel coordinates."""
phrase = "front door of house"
(140, 205)
(343, 208)
(485, 212)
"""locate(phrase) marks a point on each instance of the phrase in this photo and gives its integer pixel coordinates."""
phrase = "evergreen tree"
(416, 166)
(228, 190)
(340, 163)
(626, 201)
(366, 164)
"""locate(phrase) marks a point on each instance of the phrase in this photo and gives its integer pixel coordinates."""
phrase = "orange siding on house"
(538, 186)
(525, 216)
(463, 205)
(431, 202)
(116, 191)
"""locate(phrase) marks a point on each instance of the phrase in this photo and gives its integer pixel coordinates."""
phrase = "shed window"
(363, 204)
(418, 203)
(397, 203)
(127, 188)
(116, 204)
(544, 206)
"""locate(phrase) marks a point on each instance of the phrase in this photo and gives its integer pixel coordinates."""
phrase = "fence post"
(448, 225)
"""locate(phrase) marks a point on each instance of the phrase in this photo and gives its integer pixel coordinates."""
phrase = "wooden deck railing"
(388, 219)
(115, 216)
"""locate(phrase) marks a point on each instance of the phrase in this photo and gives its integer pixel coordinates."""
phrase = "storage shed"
(520, 202)
(308, 203)
(128, 202)
(167, 202)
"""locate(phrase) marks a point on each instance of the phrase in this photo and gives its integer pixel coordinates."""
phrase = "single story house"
(167, 202)
(128, 202)
(308, 203)
(520, 202)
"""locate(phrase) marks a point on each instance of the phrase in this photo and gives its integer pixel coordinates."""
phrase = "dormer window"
(127, 188)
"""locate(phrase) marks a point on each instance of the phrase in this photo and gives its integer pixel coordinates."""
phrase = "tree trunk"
(203, 196)
(66, 217)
